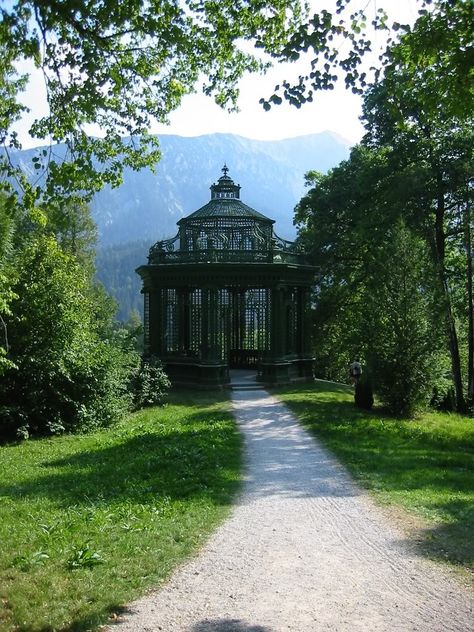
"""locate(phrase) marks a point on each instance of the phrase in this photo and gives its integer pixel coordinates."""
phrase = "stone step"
(246, 387)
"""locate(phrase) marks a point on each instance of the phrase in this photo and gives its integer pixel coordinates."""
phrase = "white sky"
(337, 111)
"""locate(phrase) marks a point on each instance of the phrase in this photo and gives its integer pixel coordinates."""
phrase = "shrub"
(68, 374)
(150, 383)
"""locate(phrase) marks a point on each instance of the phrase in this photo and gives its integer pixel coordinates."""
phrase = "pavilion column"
(305, 362)
(183, 337)
(291, 323)
(210, 325)
(213, 325)
(241, 328)
(205, 324)
(156, 327)
(146, 321)
(235, 315)
(278, 331)
(306, 324)
(303, 317)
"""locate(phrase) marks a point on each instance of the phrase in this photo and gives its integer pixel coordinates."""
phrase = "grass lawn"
(89, 522)
(425, 467)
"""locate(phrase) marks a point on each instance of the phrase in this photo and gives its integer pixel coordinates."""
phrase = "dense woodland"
(116, 267)
(390, 229)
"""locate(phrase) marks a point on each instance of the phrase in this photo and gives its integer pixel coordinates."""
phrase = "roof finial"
(225, 169)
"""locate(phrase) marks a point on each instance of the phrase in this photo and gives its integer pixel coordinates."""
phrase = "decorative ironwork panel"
(255, 334)
(170, 320)
(224, 320)
(291, 321)
(195, 322)
(146, 321)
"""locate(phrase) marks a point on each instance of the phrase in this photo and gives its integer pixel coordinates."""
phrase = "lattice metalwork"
(249, 338)
(146, 320)
(224, 321)
(227, 292)
(194, 324)
(225, 230)
(170, 320)
(255, 320)
(291, 321)
(224, 233)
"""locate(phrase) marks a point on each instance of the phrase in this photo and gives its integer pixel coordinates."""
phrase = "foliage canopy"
(120, 67)
(414, 166)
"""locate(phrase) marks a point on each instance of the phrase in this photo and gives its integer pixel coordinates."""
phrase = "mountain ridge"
(271, 174)
(147, 206)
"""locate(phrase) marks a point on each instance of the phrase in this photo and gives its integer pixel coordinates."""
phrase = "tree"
(120, 67)
(415, 163)
(66, 376)
(6, 293)
(374, 296)
(401, 350)
(75, 231)
(423, 112)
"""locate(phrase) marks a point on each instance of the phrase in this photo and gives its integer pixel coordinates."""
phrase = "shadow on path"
(228, 625)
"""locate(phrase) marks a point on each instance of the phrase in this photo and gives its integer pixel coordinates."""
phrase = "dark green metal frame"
(227, 292)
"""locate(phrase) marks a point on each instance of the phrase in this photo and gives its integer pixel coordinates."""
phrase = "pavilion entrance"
(228, 293)
(249, 340)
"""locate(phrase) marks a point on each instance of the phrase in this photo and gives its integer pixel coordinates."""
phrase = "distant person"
(355, 371)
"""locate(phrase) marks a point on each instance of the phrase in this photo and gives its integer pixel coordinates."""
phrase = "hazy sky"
(337, 110)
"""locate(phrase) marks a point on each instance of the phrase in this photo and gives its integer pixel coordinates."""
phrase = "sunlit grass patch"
(89, 522)
(425, 466)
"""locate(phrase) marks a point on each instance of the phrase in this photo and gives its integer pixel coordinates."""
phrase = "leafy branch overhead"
(118, 66)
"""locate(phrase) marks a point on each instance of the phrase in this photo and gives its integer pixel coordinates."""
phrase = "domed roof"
(225, 202)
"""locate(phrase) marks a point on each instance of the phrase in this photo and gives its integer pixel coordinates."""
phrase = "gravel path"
(304, 550)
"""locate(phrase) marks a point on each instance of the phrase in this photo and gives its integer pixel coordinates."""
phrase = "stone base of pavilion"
(281, 372)
(198, 375)
(216, 376)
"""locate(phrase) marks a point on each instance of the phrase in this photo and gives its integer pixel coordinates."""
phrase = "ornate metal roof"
(226, 230)
(225, 202)
(226, 208)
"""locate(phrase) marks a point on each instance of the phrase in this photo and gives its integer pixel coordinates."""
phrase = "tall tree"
(402, 350)
(7, 226)
(374, 298)
(119, 67)
(416, 162)
(423, 112)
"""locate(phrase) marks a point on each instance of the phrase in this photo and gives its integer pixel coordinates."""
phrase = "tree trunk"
(453, 345)
(470, 328)
(439, 256)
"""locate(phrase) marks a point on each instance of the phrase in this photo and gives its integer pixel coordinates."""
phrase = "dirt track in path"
(304, 550)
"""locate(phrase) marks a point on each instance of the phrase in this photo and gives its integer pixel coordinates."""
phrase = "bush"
(68, 375)
(150, 384)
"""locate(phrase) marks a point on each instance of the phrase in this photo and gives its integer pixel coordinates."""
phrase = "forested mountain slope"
(146, 207)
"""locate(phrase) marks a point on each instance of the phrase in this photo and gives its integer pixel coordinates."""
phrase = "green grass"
(425, 467)
(89, 522)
